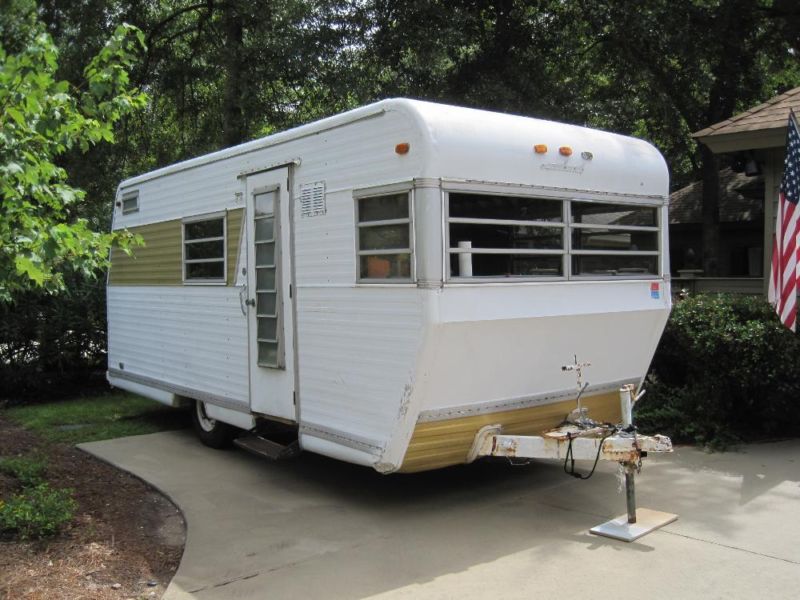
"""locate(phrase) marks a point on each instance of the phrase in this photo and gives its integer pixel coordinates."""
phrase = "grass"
(28, 470)
(111, 415)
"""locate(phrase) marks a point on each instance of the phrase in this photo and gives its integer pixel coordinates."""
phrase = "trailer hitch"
(580, 438)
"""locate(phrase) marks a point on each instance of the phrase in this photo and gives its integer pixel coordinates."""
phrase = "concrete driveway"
(318, 528)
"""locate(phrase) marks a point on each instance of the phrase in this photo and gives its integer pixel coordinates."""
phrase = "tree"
(42, 118)
(688, 64)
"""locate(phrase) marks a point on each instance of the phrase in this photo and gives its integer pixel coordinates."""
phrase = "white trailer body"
(395, 278)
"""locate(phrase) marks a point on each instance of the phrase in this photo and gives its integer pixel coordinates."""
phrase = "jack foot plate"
(646, 521)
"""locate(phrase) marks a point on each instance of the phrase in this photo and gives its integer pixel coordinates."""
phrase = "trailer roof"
(464, 143)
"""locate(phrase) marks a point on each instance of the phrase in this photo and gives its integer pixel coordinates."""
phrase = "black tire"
(213, 433)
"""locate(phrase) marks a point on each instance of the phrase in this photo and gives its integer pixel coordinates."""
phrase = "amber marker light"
(540, 148)
(565, 151)
(402, 148)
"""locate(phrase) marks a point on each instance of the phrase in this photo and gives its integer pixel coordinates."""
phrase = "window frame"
(223, 215)
(126, 197)
(567, 226)
(279, 341)
(448, 250)
(377, 192)
(631, 228)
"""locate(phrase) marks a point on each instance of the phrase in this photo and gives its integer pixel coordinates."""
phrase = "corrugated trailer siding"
(357, 345)
(325, 245)
(196, 192)
(358, 155)
(158, 262)
(357, 357)
(195, 337)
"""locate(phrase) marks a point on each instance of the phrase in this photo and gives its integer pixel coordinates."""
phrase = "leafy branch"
(43, 118)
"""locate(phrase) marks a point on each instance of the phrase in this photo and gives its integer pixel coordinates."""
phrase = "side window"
(204, 250)
(614, 239)
(130, 203)
(268, 306)
(384, 237)
(505, 236)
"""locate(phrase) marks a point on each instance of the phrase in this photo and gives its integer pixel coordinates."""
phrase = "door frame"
(288, 298)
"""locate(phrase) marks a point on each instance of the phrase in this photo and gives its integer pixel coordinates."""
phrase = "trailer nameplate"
(563, 168)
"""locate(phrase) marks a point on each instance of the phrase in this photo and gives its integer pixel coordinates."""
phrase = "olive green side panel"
(235, 222)
(158, 262)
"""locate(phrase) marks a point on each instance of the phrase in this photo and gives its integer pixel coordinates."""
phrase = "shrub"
(53, 346)
(725, 370)
(37, 511)
(27, 470)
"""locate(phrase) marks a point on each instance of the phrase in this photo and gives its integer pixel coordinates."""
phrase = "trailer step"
(261, 446)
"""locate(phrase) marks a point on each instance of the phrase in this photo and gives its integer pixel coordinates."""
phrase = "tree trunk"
(233, 125)
(736, 57)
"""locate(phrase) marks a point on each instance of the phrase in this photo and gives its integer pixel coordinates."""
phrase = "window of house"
(204, 250)
(384, 237)
(505, 236)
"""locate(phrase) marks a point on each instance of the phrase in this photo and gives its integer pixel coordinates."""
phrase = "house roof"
(763, 126)
(741, 200)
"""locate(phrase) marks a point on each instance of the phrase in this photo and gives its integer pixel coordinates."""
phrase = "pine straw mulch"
(125, 541)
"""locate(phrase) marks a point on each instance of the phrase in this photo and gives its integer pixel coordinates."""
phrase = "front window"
(384, 237)
(204, 250)
(505, 236)
(496, 236)
(613, 239)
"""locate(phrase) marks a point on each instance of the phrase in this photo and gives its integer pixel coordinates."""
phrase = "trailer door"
(269, 295)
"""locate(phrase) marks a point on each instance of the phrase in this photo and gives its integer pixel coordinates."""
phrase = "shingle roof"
(741, 199)
(773, 114)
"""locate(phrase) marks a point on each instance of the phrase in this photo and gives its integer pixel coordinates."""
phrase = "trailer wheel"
(213, 433)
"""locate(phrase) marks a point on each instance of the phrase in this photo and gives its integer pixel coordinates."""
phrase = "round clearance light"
(587, 155)
(540, 148)
(565, 151)
(402, 148)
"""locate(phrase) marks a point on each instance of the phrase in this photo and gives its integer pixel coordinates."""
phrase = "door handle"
(250, 302)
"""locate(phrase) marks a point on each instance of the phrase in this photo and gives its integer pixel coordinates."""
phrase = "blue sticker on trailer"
(655, 291)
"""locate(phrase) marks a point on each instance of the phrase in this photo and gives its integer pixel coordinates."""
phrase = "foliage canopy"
(42, 118)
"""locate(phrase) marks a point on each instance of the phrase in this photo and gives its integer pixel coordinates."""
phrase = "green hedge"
(52, 346)
(726, 370)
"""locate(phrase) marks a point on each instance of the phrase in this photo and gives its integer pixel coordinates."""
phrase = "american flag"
(783, 279)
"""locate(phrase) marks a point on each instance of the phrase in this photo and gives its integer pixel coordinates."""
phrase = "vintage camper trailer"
(389, 281)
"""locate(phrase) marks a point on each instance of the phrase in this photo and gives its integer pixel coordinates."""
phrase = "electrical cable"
(571, 460)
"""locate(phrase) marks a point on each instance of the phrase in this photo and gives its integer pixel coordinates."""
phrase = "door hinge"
(294, 398)
(290, 290)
